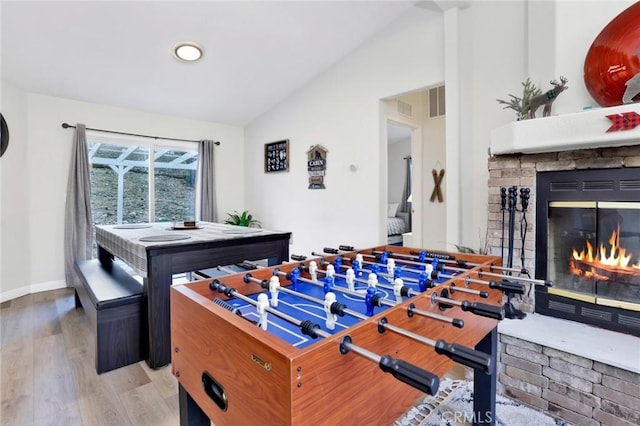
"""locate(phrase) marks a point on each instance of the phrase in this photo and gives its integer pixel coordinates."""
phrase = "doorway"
(399, 182)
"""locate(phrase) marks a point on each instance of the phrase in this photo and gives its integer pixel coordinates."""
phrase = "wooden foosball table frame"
(234, 373)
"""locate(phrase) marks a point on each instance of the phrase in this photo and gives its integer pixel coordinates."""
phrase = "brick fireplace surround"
(582, 374)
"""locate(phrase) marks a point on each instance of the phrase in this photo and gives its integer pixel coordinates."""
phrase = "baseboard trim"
(30, 289)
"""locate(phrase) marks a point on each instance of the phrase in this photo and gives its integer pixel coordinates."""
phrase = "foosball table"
(347, 336)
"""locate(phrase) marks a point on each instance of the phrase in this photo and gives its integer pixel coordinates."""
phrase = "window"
(135, 180)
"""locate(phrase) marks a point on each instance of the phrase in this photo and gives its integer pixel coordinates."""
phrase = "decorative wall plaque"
(316, 165)
(276, 156)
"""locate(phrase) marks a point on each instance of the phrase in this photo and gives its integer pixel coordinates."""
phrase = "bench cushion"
(108, 288)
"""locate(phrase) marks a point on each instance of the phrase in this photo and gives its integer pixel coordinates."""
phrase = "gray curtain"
(206, 181)
(405, 206)
(78, 223)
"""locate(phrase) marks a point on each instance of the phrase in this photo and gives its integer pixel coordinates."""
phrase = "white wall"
(501, 44)
(434, 218)
(35, 169)
(341, 110)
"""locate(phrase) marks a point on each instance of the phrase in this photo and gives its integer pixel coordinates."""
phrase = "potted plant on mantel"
(242, 219)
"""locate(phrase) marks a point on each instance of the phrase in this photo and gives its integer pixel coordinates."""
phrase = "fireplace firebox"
(588, 244)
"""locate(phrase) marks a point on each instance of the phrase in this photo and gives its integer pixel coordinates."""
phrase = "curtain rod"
(66, 126)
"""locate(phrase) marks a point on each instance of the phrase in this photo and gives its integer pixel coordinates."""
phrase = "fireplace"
(588, 244)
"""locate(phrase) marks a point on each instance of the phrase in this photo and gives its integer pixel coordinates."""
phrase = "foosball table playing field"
(348, 337)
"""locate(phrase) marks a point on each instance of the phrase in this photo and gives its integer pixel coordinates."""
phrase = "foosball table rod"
(408, 373)
(405, 372)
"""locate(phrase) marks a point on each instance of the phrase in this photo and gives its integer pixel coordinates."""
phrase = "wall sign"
(316, 166)
(276, 156)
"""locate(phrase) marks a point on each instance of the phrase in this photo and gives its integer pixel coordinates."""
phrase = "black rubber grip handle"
(465, 356)
(298, 257)
(484, 310)
(247, 265)
(457, 323)
(507, 286)
(346, 248)
(330, 250)
(410, 374)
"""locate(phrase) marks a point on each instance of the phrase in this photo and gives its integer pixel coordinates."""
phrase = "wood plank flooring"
(47, 366)
(49, 376)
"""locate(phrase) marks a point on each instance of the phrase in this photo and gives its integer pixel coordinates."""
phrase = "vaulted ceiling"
(119, 53)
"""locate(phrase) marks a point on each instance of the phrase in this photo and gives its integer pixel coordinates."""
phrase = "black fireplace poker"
(510, 311)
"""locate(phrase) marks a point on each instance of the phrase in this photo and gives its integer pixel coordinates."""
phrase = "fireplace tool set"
(509, 200)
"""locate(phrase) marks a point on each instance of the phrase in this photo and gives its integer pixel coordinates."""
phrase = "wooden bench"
(113, 302)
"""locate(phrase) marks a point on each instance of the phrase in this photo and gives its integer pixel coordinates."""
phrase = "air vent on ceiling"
(405, 108)
(597, 185)
(563, 186)
(630, 185)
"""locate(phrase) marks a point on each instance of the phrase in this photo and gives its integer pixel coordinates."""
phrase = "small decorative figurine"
(533, 98)
(547, 98)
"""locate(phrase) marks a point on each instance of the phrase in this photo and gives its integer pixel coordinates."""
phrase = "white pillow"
(392, 209)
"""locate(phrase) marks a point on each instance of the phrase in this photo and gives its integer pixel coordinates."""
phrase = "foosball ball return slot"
(270, 343)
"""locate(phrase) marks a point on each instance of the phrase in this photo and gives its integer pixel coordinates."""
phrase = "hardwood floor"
(49, 377)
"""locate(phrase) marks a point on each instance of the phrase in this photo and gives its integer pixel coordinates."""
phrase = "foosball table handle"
(407, 373)
(507, 286)
(484, 310)
(466, 356)
(410, 374)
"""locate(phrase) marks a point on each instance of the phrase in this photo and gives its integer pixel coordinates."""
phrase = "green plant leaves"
(242, 219)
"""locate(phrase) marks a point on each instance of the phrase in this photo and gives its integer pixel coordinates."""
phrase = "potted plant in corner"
(242, 219)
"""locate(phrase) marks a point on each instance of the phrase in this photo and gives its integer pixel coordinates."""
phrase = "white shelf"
(581, 130)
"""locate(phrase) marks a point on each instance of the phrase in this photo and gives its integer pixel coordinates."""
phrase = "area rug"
(453, 406)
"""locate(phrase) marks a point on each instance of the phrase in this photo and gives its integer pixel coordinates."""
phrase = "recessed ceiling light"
(187, 51)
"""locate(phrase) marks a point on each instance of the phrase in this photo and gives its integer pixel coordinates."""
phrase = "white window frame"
(152, 144)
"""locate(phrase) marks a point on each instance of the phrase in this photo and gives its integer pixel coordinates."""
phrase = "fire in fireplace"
(588, 244)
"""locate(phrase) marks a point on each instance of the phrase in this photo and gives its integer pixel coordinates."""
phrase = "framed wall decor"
(276, 156)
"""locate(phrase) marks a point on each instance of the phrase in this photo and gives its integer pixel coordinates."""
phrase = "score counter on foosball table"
(352, 337)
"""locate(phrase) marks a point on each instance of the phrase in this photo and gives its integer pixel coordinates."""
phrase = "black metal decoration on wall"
(316, 166)
(276, 156)
(4, 135)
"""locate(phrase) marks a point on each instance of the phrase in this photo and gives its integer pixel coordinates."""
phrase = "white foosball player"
(331, 271)
(263, 303)
(372, 281)
(274, 286)
(360, 259)
(313, 270)
(330, 322)
(350, 278)
(391, 267)
(397, 288)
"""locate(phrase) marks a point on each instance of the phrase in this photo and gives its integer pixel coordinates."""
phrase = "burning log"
(613, 274)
